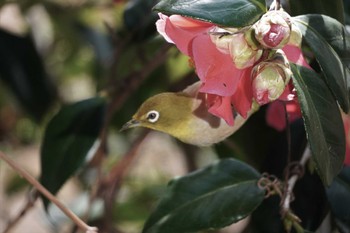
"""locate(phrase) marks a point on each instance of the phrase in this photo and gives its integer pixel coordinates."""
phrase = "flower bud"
(270, 77)
(244, 53)
(222, 38)
(295, 36)
(273, 29)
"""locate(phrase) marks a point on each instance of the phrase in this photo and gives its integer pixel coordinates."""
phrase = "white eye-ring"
(152, 116)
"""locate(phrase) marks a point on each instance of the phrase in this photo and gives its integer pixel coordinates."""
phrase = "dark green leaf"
(230, 13)
(317, 31)
(334, 8)
(213, 197)
(139, 18)
(69, 138)
(267, 217)
(339, 196)
(22, 69)
(310, 202)
(323, 122)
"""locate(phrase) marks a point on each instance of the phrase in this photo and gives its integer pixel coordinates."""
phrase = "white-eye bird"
(184, 115)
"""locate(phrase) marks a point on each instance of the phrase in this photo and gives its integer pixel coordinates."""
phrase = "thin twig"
(30, 203)
(292, 180)
(81, 224)
(110, 185)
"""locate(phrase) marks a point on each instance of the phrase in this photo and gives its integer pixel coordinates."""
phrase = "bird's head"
(166, 112)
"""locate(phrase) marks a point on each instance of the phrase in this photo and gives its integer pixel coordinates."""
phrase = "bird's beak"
(130, 124)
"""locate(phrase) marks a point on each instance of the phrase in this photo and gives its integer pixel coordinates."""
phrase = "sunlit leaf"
(233, 13)
(323, 122)
(213, 197)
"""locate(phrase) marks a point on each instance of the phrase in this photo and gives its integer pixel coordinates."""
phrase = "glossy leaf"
(213, 197)
(317, 31)
(334, 8)
(22, 70)
(323, 122)
(335, 34)
(339, 196)
(230, 13)
(68, 139)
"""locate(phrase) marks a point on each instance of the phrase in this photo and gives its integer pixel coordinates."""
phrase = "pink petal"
(242, 98)
(215, 69)
(220, 106)
(288, 93)
(295, 55)
(161, 24)
(275, 115)
(181, 30)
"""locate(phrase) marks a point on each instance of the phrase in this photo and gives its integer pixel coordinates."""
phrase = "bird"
(184, 115)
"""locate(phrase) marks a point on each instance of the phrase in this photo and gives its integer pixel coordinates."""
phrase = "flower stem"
(81, 224)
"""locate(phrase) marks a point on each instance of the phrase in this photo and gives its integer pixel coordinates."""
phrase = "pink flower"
(229, 88)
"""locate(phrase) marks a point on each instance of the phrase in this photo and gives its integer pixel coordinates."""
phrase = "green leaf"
(68, 139)
(323, 122)
(339, 196)
(229, 13)
(317, 31)
(334, 8)
(139, 18)
(22, 70)
(213, 197)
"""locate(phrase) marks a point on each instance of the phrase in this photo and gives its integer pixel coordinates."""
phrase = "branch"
(81, 224)
(110, 184)
(30, 203)
(292, 180)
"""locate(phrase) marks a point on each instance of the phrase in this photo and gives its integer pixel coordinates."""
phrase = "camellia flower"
(224, 59)
(273, 29)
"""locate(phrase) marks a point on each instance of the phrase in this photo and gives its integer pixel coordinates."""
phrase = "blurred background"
(55, 53)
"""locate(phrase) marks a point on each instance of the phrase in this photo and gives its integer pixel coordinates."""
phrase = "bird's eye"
(152, 116)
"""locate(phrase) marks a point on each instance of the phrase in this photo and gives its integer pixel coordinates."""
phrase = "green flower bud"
(270, 77)
(244, 53)
(295, 36)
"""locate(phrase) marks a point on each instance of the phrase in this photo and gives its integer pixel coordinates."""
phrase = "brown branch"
(110, 185)
(30, 203)
(81, 224)
(122, 93)
(292, 181)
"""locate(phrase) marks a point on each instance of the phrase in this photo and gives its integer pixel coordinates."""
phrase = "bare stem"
(292, 180)
(30, 203)
(81, 224)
